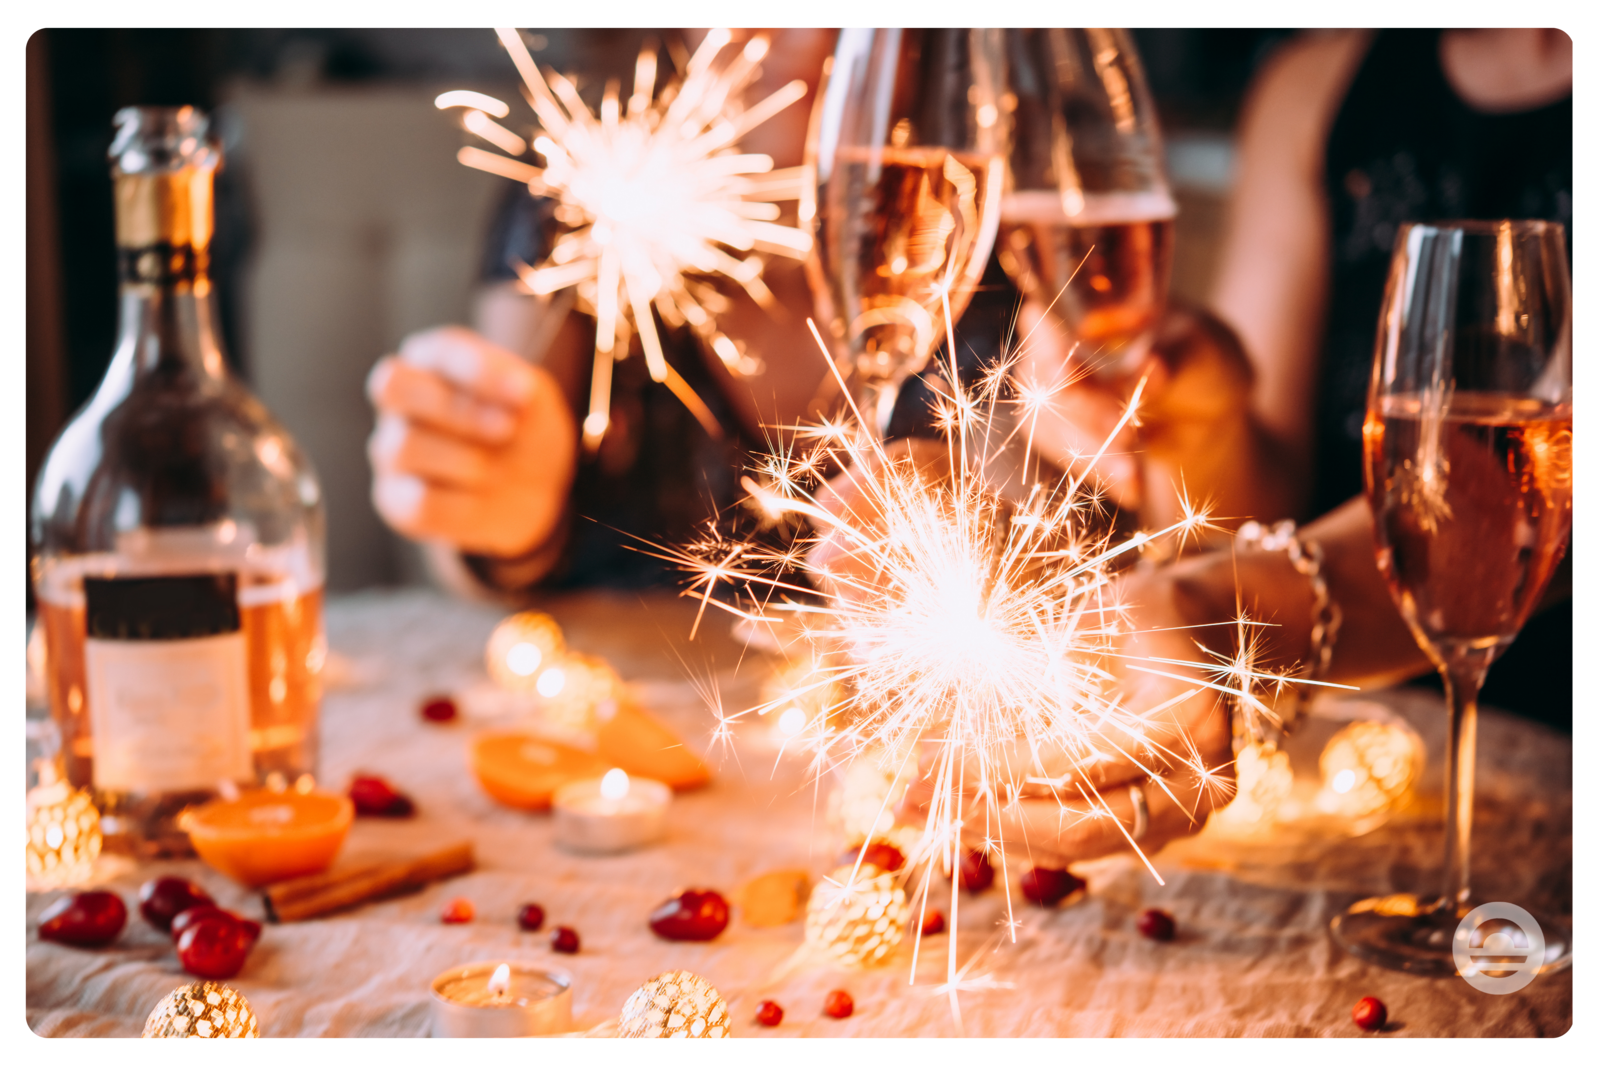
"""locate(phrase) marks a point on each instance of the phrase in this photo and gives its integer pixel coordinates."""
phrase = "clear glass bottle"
(176, 534)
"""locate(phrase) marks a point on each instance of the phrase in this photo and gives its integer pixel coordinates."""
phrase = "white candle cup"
(610, 814)
(526, 1001)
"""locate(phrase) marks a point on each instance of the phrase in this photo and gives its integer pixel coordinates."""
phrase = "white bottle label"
(168, 715)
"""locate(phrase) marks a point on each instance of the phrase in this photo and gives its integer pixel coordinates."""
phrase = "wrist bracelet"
(1306, 557)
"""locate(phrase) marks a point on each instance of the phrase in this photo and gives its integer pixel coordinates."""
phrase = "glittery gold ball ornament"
(204, 1009)
(522, 648)
(579, 693)
(1368, 766)
(857, 916)
(63, 831)
(675, 1004)
(1263, 779)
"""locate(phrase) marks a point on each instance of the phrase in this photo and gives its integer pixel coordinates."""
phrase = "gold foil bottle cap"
(162, 161)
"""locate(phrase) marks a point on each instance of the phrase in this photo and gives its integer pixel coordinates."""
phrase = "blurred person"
(1258, 408)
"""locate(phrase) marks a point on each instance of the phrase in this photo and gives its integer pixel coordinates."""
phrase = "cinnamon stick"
(308, 897)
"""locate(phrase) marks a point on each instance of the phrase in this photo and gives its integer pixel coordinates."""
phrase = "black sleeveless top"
(1405, 148)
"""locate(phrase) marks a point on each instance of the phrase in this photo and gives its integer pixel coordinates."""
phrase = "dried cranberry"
(839, 1004)
(206, 910)
(457, 911)
(1047, 887)
(884, 856)
(164, 898)
(933, 923)
(769, 1013)
(439, 709)
(1157, 925)
(1369, 1014)
(215, 946)
(531, 917)
(564, 938)
(86, 920)
(976, 873)
(693, 914)
(374, 796)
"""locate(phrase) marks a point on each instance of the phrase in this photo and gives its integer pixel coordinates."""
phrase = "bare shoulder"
(1294, 98)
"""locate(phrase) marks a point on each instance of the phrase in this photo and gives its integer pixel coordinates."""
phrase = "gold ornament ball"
(1369, 766)
(857, 923)
(204, 1009)
(523, 647)
(675, 1004)
(63, 830)
(579, 703)
(1263, 780)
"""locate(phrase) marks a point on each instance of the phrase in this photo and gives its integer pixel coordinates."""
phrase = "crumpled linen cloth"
(1252, 957)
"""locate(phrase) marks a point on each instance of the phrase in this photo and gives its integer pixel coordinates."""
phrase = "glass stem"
(1463, 676)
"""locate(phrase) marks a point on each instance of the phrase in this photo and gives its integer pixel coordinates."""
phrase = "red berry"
(885, 857)
(215, 946)
(693, 914)
(1157, 925)
(1047, 887)
(164, 898)
(206, 910)
(530, 917)
(457, 911)
(564, 938)
(769, 1013)
(86, 920)
(439, 709)
(374, 796)
(976, 873)
(1369, 1014)
(839, 1004)
(933, 923)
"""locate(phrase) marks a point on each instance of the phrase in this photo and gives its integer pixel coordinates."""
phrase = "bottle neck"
(163, 260)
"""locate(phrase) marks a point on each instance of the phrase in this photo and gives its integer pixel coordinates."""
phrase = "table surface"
(1252, 957)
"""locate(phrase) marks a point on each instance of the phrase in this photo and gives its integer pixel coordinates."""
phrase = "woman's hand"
(1181, 758)
(473, 446)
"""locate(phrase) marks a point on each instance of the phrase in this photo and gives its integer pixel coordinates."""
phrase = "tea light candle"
(497, 999)
(611, 814)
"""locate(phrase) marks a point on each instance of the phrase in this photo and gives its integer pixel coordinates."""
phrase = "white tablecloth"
(1252, 957)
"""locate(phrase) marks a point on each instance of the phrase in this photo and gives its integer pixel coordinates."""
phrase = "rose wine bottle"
(176, 534)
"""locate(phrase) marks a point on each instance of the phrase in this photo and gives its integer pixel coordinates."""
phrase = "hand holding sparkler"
(472, 446)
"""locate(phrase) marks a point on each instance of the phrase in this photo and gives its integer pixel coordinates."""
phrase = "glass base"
(1405, 932)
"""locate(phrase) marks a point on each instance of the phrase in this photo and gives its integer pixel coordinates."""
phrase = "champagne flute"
(1468, 450)
(908, 150)
(1087, 199)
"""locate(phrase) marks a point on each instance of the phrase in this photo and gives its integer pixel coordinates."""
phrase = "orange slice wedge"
(266, 836)
(522, 770)
(635, 740)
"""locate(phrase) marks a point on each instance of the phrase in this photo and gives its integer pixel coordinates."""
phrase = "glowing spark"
(973, 644)
(655, 202)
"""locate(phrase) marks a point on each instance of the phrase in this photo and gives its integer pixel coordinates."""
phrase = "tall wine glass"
(1468, 446)
(1087, 196)
(908, 149)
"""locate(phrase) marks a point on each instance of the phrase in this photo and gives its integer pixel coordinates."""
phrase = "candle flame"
(614, 785)
(500, 980)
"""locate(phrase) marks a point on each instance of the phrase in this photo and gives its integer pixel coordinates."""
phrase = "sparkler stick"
(655, 197)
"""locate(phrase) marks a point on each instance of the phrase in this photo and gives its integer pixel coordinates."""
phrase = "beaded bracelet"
(1306, 557)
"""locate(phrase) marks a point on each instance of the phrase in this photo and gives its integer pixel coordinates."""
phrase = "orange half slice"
(265, 836)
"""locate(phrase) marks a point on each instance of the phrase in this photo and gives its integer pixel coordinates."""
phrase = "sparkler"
(981, 621)
(656, 202)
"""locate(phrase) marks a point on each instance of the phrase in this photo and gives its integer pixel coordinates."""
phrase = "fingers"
(486, 371)
(1075, 829)
(401, 447)
(396, 387)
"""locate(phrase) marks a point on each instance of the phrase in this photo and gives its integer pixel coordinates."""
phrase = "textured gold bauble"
(523, 647)
(204, 1009)
(857, 916)
(63, 831)
(1368, 767)
(675, 1004)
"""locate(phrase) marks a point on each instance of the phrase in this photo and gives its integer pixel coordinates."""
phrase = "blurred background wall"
(344, 221)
